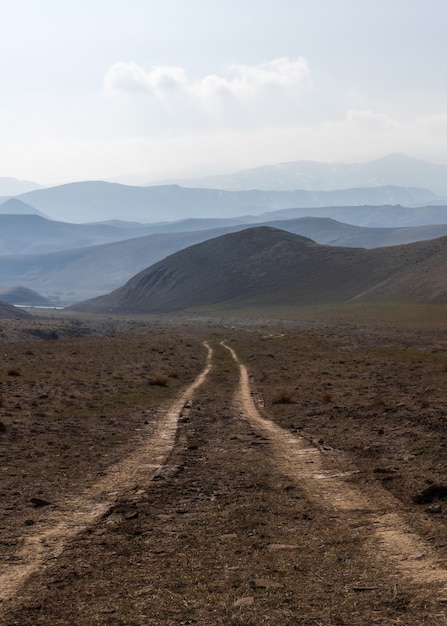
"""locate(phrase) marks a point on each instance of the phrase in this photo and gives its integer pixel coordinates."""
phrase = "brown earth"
(278, 487)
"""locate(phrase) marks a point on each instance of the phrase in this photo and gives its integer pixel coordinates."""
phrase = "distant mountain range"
(394, 169)
(264, 267)
(24, 234)
(70, 276)
(14, 187)
(99, 201)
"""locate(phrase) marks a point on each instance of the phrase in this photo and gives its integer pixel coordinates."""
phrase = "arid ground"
(219, 472)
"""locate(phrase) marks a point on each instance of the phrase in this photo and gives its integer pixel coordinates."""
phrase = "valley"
(224, 471)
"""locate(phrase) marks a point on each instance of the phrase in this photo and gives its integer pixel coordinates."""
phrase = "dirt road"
(223, 517)
(379, 514)
(80, 512)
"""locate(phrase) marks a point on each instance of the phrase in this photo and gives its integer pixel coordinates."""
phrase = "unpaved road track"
(80, 512)
(240, 522)
(306, 465)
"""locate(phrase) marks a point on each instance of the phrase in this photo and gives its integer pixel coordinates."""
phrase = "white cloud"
(369, 120)
(164, 99)
(240, 81)
(131, 78)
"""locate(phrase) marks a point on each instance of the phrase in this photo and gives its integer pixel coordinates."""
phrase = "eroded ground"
(288, 502)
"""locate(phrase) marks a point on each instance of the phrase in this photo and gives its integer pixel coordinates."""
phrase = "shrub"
(160, 380)
(13, 371)
(326, 396)
(283, 396)
(173, 374)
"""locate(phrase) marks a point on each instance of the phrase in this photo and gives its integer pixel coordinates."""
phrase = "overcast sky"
(97, 89)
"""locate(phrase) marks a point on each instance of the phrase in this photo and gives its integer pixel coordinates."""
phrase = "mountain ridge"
(393, 169)
(94, 201)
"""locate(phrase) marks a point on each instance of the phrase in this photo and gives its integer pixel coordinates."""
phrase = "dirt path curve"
(77, 513)
(305, 464)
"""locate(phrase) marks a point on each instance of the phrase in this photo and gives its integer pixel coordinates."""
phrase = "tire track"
(391, 537)
(77, 513)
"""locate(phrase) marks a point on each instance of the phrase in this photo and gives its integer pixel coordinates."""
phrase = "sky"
(148, 90)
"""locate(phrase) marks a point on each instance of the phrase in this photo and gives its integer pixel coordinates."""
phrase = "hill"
(265, 266)
(10, 312)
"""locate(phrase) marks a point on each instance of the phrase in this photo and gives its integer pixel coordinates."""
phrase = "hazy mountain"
(32, 234)
(23, 296)
(386, 216)
(99, 201)
(264, 266)
(394, 169)
(14, 187)
(74, 275)
(14, 206)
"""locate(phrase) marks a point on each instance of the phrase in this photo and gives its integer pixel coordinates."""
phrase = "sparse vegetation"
(283, 396)
(326, 396)
(222, 522)
(160, 380)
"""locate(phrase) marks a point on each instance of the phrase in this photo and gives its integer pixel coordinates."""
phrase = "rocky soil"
(206, 473)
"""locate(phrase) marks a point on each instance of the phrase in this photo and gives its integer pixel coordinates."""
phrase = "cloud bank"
(268, 93)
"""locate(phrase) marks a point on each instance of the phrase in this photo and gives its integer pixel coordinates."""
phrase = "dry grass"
(326, 397)
(13, 371)
(283, 396)
(160, 380)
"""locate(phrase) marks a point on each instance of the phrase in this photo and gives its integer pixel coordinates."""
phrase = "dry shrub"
(13, 371)
(173, 374)
(326, 396)
(283, 396)
(160, 380)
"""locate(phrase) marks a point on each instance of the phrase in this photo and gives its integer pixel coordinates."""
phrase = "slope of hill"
(394, 169)
(265, 266)
(98, 201)
(10, 312)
